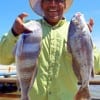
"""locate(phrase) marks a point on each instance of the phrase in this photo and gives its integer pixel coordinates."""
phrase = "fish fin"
(76, 69)
(19, 46)
(68, 47)
(14, 50)
(34, 75)
(92, 73)
(83, 94)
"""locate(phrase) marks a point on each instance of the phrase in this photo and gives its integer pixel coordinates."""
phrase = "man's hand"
(18, 26)
(90, 24)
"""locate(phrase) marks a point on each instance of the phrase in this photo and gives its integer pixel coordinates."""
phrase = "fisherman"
(55, 77)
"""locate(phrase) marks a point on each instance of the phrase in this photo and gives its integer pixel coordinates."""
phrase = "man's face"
(53, 10)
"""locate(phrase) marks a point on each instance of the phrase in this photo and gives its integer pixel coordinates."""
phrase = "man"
(55, 78)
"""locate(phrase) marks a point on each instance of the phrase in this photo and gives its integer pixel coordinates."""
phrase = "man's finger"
(91, 22)
(23, 15)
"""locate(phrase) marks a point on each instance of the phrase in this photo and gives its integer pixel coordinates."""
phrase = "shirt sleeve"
(97, 60)
(7, 43)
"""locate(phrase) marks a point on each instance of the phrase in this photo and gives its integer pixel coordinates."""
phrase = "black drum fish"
(27, 50)
(80, 45)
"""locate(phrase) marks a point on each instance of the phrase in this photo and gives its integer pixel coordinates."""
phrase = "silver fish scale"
(27, 51)
(81, 47)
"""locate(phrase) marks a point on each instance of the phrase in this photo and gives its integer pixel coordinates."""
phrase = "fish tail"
(25, 98)
(83, 94)
(26, 76)
(24, 91)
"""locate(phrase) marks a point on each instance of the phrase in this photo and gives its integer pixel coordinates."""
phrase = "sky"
(10, 9)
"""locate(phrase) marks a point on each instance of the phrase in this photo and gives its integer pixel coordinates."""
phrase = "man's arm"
(8, 40)
(7, 44)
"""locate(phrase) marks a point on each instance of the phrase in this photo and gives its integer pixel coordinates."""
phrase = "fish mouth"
(75, 21)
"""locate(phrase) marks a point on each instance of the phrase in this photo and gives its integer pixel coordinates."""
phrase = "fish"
(26, 53)
(80, 45)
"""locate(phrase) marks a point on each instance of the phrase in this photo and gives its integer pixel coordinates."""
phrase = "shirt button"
(49, 92)
(50, 79)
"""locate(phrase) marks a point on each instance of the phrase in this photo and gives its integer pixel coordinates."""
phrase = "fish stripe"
(30, 47)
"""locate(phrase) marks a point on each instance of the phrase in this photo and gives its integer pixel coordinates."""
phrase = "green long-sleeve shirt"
(55, 78)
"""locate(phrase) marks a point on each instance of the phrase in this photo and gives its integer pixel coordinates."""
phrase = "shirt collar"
(60, 23)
